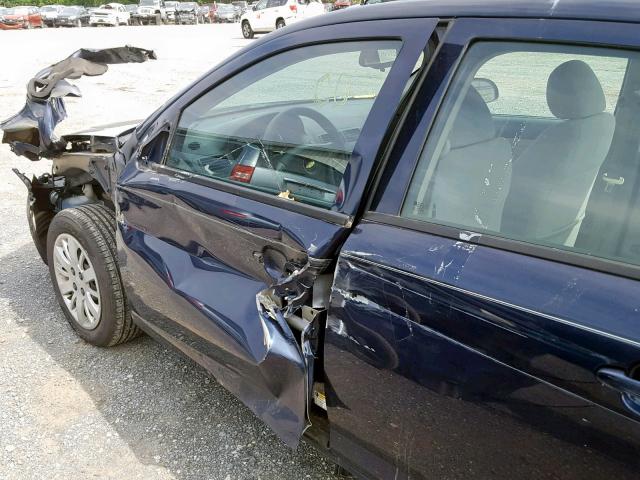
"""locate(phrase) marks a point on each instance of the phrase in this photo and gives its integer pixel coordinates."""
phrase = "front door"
(242, 191)
(484, 323)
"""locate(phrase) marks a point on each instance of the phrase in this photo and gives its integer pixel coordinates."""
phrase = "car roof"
(609, 10)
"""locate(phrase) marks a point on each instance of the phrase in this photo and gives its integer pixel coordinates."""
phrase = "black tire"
(247, 31)
(79, 24)
(280, 24)
(93, 226)
(158, 19)
(39, 226)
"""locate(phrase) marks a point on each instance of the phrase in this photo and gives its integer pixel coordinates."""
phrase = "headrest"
(474, 123)
(573, 91)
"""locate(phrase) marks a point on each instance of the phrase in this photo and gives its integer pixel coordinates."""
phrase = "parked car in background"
(242, 6)
(50, 13)
(211, 12)
(21, 17)
(170, 8)
(112, 14)
(270, 15)
(227, 13)
(204, 13)
(341, 4)
(188, 13)
(151, 12)
(73, 17)
(132, 8)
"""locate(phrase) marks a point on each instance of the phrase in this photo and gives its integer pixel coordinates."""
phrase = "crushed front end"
(84, 165)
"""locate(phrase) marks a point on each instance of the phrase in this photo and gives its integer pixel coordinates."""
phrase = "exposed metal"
(31, 131)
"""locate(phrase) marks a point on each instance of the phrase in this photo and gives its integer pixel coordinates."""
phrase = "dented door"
(215, 261)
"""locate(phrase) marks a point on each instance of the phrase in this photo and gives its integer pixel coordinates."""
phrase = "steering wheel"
(289, 121)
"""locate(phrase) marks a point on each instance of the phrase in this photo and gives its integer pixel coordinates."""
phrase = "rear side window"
(287, 125)
(537, 143)
(523, 90)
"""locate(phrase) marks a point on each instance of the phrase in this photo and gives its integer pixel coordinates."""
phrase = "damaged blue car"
(407, 233)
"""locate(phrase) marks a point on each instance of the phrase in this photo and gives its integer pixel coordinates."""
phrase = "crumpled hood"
(31, 131)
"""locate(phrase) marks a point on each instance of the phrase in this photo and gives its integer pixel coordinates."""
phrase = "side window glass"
(261, 5)
(287, 125)
(523, 92)
(523, 142)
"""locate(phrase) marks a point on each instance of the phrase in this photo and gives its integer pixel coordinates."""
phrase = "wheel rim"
(77, 281)
(247, 31)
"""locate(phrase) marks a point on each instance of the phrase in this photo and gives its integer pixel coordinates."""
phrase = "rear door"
(242, 190)
(261, 15)
(477, 328)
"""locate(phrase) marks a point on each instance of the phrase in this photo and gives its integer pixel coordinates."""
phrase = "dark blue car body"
(442, 353)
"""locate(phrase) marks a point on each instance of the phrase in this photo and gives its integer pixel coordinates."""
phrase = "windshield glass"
(16, 11)
(225, 8)
(187, 6)
(70, 10)
(147, 3)
(49, 8)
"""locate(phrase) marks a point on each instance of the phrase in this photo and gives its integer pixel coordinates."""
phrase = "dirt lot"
(69, 410)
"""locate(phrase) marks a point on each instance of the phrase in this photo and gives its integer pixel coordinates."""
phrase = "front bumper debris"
(30, 132)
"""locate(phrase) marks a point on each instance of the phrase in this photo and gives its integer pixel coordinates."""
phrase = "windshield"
(49, 8)
(187, 6)
(70, 10)
(147, 3)
(17, 11)
(225, 8)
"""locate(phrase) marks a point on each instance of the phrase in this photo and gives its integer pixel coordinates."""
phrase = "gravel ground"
(70, 410)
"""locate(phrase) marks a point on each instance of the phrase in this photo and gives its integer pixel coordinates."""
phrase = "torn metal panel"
(31, 131)
(231, 282)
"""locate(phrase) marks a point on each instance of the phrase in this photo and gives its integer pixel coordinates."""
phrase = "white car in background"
(269, 15)
(113, 14)
(50, 14)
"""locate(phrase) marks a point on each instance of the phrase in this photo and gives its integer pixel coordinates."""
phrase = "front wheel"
(280, 24)
(81, 249)
(247, 31)
(79, 24)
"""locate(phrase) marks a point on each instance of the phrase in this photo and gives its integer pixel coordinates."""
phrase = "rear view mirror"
(487, 89)
(378, 59)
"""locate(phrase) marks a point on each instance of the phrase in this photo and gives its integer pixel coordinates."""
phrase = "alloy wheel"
(77, 281)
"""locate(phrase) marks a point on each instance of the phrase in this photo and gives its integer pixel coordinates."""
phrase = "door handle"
(618, 380)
